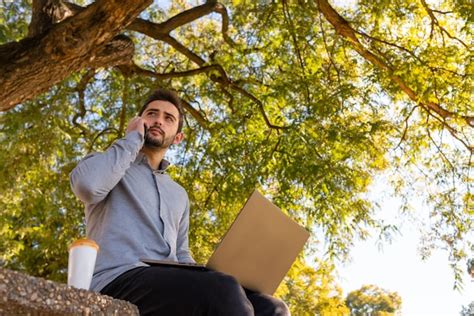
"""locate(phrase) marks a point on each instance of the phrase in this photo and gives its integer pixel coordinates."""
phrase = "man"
(134, 210)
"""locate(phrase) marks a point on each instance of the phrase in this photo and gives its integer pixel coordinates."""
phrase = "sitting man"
(135, 210)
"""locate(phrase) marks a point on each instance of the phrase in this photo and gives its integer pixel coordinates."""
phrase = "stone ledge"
(21, 294)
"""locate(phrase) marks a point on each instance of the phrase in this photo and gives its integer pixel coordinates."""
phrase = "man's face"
(161, 119)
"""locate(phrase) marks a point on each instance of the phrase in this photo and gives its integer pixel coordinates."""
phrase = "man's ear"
(178, 138)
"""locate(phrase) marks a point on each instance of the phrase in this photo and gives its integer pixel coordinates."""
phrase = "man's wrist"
(134, 141)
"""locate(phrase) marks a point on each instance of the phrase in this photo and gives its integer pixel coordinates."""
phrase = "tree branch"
(375, 39)
(411, 53)
(40, 20)
(84, 40)
(219, 8)
(187, 16)
(343, 28)
(223, 79)
(406, 126)
(134, 69)
(80, 88)
(184, 50)
(291, 29)
(196, 114)
(160, 31)
(118, 51)
(260, 107)
(438, 147)
(434, 21)
(33, 65)
(103, 132)
(45, 13)
(123, 109)
(332, 63)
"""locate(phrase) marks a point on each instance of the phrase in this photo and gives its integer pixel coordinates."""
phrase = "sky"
(426, 287)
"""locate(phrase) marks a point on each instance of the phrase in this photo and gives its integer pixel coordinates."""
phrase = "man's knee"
(266, 305)
(225, 287)
(280, 308)
(231, 284)
(227, 296)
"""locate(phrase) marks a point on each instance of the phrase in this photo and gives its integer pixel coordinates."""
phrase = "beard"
(159, 142)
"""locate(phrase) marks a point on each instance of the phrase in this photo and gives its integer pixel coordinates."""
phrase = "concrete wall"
(21, 294)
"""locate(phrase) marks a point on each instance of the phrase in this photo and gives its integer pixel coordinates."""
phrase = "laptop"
(258, 249)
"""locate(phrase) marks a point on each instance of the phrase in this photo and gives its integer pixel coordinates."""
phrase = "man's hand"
(136, 124)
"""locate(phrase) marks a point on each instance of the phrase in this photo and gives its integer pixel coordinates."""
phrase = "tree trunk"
(31, 66)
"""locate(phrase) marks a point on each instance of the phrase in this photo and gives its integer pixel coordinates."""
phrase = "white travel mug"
(81, 263)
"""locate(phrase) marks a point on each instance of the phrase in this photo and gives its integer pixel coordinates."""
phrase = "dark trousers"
(177, 291)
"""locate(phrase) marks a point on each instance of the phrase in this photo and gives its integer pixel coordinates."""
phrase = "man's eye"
(169, 118)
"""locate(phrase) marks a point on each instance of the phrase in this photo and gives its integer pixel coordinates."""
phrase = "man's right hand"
(136, 124)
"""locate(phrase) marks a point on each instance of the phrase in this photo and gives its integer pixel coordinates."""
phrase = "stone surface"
(21, 294)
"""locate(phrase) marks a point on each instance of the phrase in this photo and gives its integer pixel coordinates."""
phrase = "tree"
(468, 310)
(309, 291)
(307, 102)
(372, 300)
(470, 267)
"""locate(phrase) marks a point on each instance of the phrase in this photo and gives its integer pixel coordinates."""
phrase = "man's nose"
(158, 120)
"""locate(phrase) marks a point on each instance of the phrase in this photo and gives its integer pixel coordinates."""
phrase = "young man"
(135, 210)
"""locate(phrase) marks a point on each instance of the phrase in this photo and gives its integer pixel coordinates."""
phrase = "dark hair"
(161, 94)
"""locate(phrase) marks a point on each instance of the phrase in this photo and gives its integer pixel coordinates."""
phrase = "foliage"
(470, 267)
(310, 291)
(372, 300)
(303, 117)
(467, 310)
